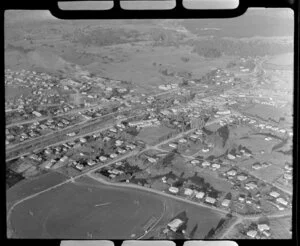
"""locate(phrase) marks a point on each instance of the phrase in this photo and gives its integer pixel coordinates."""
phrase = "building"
(47, 164)
(102, 158)
(231, 157)
(210, 200)
(182, 140)
(241, 197)
(173, 145)
(194, 136)
(200, 194)
(121, 151)
(113, 155)
(91, 162)
(225, 202)
(287, 176)
(256, 166)
(188, 192)
(215, 165)
(263, 227)
(119, 142)
(274, 194)
(267, 233)
(194, 162)
(175, 224)
(205, 164)
(152, 160)
(288, 167)
(241, 177)
(224, 112)
(232, 172)
(252, 233)
(37, 114)
(174, 190)
(64, 158)
(82, 140)
(282, 201)
(251, 185)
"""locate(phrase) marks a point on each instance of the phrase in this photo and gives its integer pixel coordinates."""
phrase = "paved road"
(240, 220)
(72, 179)
(92, 169)
(74, 111)
(89, 174)
(63, 141)
(60, 132)
(55, 135)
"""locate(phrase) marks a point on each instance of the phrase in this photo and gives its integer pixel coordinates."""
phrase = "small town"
(169, 144)
(157, 130)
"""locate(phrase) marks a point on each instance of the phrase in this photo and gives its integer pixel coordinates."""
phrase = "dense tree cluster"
(207, 52)
(104, 37)
(165, 37)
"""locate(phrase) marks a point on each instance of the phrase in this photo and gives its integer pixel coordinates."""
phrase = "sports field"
(88, 209)
(28, 187)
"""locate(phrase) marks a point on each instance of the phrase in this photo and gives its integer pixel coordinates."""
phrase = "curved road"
(240, 220)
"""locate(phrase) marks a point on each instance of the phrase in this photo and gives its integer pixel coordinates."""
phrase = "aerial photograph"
(149, 128)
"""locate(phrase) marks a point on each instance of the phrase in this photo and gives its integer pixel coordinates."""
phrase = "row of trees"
(222, 224)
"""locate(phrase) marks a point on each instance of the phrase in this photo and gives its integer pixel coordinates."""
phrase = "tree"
(210, 233)
(184, 83)
(185, 59)
(228, 196)
(167, 160)
(132, 131)
(192, 234)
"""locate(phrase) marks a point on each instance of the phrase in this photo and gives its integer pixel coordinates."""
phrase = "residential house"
(282, 201)
(252, 233)
(241, 177)
(263, 227)
(205, 164)
(274, 194)
(210, 200)
(200, 194)
(225, 202)
(175, 224)
(188, 191)
(173, 190)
